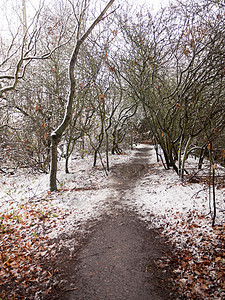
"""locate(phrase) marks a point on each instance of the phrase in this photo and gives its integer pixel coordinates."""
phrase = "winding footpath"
(118, 260)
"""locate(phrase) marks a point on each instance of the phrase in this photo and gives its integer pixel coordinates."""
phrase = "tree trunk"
(67, 165)
(68, 154)
(82, 146)
(166, 159)
(114, 143)
(214, 198)
(95, 158)
(107, 151)
(53, 172)
(201, 157)
(180, 154)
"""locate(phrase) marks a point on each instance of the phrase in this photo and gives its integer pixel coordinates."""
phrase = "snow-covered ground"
(82, 195)
(183, 209)
(159, 197)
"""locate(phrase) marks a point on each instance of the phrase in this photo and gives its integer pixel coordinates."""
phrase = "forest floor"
(137, 234)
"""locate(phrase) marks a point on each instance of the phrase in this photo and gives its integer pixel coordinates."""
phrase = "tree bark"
(53, 171)
(214, 198)
(107, 151)
(95, 158)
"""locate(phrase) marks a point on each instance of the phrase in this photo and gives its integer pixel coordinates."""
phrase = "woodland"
(71, 79)
(85, 79)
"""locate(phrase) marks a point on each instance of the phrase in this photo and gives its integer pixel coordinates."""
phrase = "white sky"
(155, 3)
(10, 10)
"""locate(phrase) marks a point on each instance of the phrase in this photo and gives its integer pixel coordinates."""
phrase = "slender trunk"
(212, 180)
(179, 155)
(82, 146)
(67, 165)
(95, 158)
(169, 153)
(210, 174)
(165, 153)
(156, 147)
(114, 143)
(169, 150)
(113, 149)
(166, 159)
(68, 154)
(174, 166)
(107, 151)
(53, 172)
(103, 166)
(214, 198)
(175, 152)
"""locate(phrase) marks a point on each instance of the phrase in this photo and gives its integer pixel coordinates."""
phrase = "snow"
(163, 200)
(160, 198)
(82, 194)
(164, 195)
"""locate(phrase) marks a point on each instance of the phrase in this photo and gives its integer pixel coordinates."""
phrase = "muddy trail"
(118, 259)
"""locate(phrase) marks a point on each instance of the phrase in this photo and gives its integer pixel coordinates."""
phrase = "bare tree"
(56, 135)
(26, 46)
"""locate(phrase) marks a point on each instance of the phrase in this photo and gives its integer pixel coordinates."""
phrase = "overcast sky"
(155, 3)
(10, 10)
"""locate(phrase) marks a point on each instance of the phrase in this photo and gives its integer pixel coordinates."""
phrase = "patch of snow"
(82, 194)
(163, 200)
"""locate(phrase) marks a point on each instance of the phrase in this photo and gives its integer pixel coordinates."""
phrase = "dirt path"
(118, 260)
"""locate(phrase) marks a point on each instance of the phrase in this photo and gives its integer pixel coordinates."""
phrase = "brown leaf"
(218, 259)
